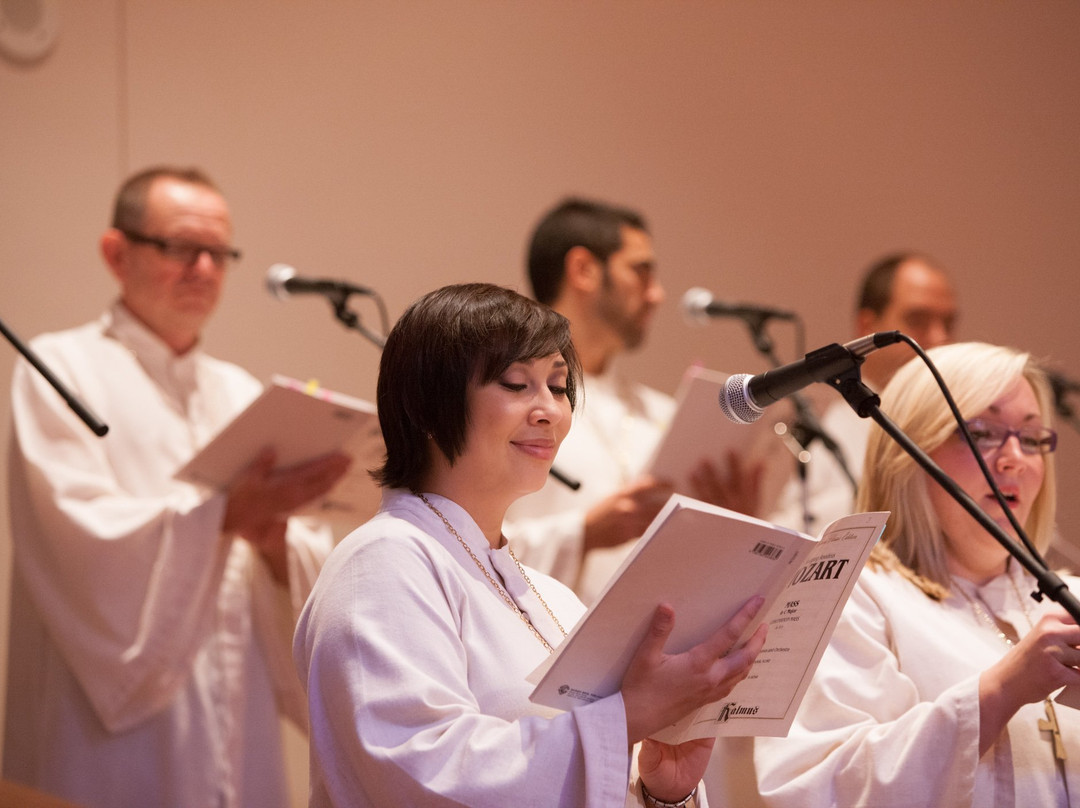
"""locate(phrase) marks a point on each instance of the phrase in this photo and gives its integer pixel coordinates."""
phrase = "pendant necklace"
(498, 588)
(1050, 723)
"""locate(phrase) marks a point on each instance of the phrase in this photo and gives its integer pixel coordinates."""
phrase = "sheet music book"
(699, 430)
(707, 562)
(301, 421)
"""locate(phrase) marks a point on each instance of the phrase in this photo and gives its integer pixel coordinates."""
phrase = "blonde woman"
(934, 690)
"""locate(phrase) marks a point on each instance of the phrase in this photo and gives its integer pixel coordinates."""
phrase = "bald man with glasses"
(149, 655)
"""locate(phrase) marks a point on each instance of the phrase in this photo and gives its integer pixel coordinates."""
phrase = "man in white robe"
(594, 263)
(151, 620)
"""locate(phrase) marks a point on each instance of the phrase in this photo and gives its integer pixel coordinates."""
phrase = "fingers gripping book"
(301, 421)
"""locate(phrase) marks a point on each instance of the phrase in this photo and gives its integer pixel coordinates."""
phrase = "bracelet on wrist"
(653, 802)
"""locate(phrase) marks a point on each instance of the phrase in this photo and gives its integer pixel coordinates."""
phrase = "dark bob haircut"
(449, 338)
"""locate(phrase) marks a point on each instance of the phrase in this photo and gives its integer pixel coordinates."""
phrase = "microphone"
(745, 397)
(282, 281)
(699, 305)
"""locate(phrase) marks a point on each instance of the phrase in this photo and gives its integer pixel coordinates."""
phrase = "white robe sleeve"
(276, 609)
(125, 581)
(125, 585)
(865, 737)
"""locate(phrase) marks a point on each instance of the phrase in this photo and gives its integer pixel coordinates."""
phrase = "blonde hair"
(977, 375)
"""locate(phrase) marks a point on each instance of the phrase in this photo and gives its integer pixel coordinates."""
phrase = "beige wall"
(776, 147)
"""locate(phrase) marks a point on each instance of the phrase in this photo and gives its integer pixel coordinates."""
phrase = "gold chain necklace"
(505, 595)
(1050, 723)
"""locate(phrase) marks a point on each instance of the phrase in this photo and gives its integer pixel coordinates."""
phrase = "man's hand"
(625, 514)
(262, 498)
(738, 489)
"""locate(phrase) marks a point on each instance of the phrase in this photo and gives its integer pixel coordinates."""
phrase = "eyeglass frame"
(221, 256)
(1046, 437)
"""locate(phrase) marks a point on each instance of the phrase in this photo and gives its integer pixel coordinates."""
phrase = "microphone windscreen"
(735, 401)
(695, 305)
(276, 278)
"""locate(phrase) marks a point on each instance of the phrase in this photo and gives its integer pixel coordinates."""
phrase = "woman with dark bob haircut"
(416, 642)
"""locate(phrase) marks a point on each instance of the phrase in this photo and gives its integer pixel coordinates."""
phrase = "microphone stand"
(96, 425)
(806, 428)
(351, 319)
(866, 403)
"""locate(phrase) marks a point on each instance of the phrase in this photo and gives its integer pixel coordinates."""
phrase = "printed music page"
(706, 562)
(301, 421)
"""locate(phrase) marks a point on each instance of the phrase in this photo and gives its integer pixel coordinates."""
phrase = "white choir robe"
(415, 670)
(891, 719)
(149, 657)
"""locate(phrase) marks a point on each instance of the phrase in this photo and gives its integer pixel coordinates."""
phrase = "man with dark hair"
(903, 291)
(594, 263)
(595, 226)
(151, 619)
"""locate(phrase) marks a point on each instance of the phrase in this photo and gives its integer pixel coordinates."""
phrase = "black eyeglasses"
(990, 436)
(186, 252)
